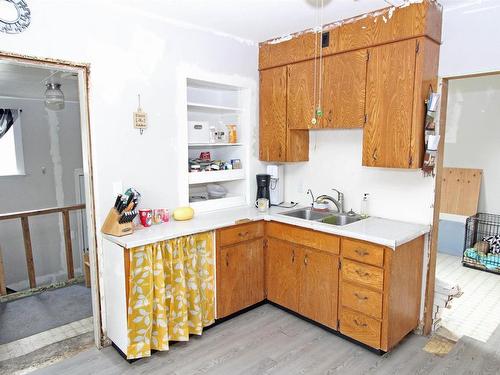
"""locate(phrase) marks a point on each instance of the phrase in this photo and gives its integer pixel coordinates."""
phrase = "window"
(11, 150)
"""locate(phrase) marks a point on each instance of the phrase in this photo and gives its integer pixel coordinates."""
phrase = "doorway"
(48, 272)
(467, 292)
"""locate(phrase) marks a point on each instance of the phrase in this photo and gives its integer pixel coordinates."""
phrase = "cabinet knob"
(293, 256)
(360, 324)
(306, 260)
(360, 297)
(243, 234)
(362, 273)
(361, 252)
(227, 259)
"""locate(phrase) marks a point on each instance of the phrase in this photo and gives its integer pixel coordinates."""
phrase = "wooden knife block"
(113, 227)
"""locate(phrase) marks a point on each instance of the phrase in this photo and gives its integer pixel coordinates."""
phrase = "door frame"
(83, 72)
(431, 269)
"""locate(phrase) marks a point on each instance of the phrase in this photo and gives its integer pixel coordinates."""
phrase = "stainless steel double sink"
(327, 217)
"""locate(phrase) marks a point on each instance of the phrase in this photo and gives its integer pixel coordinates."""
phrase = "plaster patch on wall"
(453, 118)
(386, 14)
(55, 155)
(182, 24)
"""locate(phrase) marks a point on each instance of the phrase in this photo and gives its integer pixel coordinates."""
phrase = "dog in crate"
(494, 243)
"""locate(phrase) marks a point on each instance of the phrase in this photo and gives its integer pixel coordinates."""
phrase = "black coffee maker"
(263, 182)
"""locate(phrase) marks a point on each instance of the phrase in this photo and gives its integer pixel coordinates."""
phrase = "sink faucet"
(339, 202)
(309, 192)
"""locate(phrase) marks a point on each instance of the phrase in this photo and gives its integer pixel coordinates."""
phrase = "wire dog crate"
(482, 242)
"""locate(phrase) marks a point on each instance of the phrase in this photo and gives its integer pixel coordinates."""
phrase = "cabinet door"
(389, 105)
(272, 104)
(240, 276)
(300, 95)
(319, 287)
(344, 89)
(283, 273)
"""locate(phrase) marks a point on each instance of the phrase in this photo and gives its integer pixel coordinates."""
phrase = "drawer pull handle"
(227, 259)
(293, 256)
(306, 260)
(364, 325)
(362, 274)
(361, 252)
(360, 297)
(243, 234)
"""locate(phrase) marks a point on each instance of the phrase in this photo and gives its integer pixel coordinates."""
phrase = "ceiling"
(260, 20)
(22, 81)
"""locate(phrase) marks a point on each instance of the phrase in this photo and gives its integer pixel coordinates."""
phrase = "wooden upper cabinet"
(319, 287)
(389, 105)
(282, 273)
(300, 95)
(344, 89)
(278, 143)
(272, 105)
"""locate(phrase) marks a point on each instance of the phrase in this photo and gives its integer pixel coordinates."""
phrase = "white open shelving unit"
(219, 104)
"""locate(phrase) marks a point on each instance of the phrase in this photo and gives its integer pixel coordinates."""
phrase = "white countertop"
(390, 233)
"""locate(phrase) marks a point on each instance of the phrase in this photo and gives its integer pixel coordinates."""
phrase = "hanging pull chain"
(318, 86)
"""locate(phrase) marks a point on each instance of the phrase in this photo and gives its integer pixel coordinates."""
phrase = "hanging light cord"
(317, 78)
(320, 94)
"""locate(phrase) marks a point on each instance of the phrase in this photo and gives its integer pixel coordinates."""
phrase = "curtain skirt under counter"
(171, 292)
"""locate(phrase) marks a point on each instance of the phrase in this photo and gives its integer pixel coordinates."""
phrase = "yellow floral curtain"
(171, 292)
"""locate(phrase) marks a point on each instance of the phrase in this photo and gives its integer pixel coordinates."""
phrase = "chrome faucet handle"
(340, 197)
(309, 192)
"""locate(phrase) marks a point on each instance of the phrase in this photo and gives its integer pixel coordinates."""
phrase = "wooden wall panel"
(460, 191)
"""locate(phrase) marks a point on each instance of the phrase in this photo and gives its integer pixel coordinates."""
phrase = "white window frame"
(18, 148)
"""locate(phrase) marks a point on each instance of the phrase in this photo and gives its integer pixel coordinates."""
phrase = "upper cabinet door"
(389, 105)
(344, 89)
(300, 95)
(273, 129)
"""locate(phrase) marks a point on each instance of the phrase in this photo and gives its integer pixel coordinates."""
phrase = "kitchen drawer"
(363, 274)
(360, 327)
(304, 237)
(363, 252)
(361, 299)
(240, 233)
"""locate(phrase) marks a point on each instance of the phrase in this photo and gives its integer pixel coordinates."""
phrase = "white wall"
(52, 151)
(470, 39)
(335, 162)
(473, 133)
(131, 52)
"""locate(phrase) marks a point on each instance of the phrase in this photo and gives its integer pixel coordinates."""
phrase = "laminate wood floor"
(268, 340)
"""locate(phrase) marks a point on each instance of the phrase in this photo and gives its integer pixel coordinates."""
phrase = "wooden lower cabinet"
(366, 291)
(379, 305)
(240, 274)
(282, 273)
(319, 282)
(301, 278)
